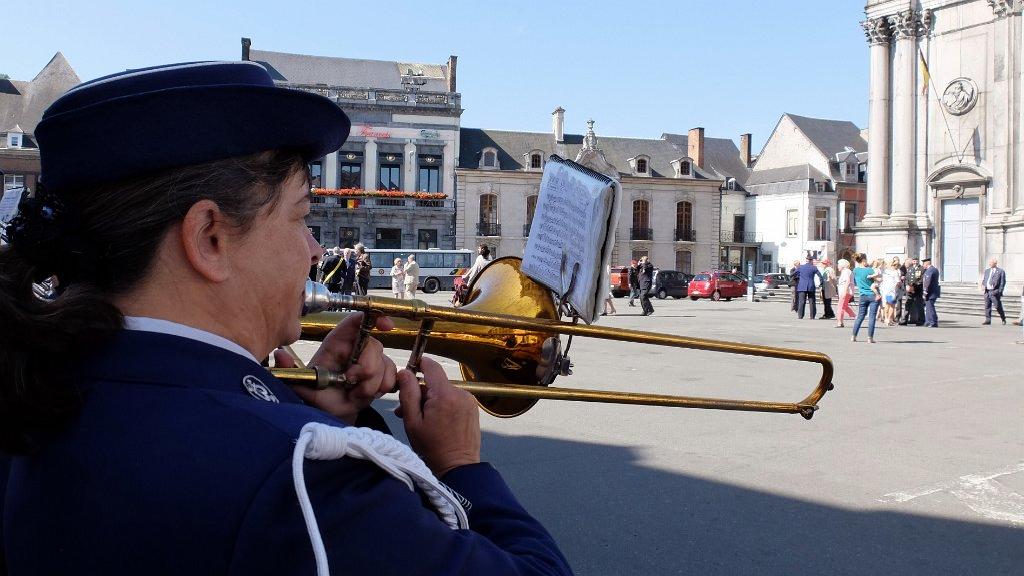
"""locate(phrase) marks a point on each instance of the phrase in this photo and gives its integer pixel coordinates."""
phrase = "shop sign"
(430, 134)
(367, 131)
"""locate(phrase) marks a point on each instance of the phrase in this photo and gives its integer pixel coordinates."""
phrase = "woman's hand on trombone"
(372, 376)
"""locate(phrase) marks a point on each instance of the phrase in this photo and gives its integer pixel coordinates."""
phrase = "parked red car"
(619, 281)
(717, 285)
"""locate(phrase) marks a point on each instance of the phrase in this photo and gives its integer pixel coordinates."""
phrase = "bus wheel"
(431, 285)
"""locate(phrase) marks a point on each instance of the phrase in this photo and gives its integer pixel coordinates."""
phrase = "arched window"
(684, 168)
(488, 225)
(531, 208)
(536, 161)
(641, 221)
(641, 165)
(684, 221)
(490, 159)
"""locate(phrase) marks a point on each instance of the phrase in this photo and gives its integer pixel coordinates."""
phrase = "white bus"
(438, 268)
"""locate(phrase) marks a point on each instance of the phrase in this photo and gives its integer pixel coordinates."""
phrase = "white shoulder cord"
(322, 442)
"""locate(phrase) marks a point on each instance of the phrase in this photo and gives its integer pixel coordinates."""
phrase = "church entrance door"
(960, 232)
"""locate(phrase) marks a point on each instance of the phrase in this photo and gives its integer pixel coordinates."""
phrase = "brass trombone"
(506, 340)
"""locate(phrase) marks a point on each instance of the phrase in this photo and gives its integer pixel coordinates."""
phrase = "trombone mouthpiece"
(318, 298)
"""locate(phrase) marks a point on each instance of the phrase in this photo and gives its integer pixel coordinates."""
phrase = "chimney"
(246, 43)
(695, 145)
(452, 62)
(745, 149)
(558, 124)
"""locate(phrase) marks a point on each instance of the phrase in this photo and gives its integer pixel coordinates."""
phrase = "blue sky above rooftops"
(637, 69)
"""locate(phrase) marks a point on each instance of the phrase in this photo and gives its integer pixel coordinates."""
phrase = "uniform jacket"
(930, 283)
(998, 277)
(805, 277)
(645, 276)
(174, 466)
(333, 271)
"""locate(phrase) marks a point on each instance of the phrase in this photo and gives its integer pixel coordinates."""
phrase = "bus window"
(456, 260)
(429, 260)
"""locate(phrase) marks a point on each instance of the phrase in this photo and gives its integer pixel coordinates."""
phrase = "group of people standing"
(405, 277)
(892, 292)
(344, 270)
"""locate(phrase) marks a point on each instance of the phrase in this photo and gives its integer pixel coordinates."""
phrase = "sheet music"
(570, 226)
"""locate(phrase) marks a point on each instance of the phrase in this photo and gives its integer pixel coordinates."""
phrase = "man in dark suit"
(913, 309)
(793, 278)
(806, 287)
(993, 282)
(931, 292)
(634, 282)
(333, 270)
(645, 279)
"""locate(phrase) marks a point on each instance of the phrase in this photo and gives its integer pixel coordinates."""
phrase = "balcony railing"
(641, 233)
(685, 235)
(526, 230)
(488, 229)
(740, 237)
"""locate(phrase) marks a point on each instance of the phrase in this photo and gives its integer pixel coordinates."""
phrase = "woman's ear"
(205, 236)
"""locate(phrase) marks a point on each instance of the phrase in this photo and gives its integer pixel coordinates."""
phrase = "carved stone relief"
(876, 30)
(960, 96)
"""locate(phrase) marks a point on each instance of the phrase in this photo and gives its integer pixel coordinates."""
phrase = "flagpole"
(942, 109)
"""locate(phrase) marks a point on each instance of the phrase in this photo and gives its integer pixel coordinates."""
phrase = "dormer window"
(683, 167)
(14, 140)
(819, 186)
(533, 160)
(641, 165)
(730, 184)
(489, 159)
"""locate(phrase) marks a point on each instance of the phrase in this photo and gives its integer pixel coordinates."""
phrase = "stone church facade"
(945, 177)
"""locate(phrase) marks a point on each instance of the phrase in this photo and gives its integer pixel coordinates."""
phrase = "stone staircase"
(961, 300)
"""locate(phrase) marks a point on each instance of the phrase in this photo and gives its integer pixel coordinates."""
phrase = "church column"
(922, 130)
(877, 31)
(904, 141)
(370, 175)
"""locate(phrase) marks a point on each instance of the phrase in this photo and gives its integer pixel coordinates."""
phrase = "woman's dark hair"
(860, 258)
(103, 246)
(484, 250)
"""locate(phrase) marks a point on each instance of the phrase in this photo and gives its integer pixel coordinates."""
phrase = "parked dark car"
(717, 285)
(671, 283)
(619, 281)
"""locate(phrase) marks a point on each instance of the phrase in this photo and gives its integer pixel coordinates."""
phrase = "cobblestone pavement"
(913, 465)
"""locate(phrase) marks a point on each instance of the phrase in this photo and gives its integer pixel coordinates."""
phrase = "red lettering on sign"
(369, 132)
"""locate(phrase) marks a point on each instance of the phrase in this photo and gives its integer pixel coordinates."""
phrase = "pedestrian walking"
(806, 287)
(993, 282)
(931, 292)
(609, 305)
(889, 288)
(794, 279)
(634, 282)
(829, 290)
(348, 284)
(364, 265)
(412, 276)
(645, 280)
(333, 270)
(868, 297)
(846, 290)
(398, 279)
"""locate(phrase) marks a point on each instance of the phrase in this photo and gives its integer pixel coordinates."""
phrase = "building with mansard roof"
(22, 103)
(404, 138)
(671, 186)
(945, 177)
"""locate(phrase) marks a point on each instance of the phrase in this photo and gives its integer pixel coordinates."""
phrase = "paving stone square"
(914, 464)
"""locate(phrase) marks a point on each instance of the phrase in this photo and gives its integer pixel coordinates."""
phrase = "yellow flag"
(926, 77)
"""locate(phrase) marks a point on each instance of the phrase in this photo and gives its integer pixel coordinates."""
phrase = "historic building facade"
(670, 207)
(392, 185)
(945, 120)
(21, 107)
(803, 190)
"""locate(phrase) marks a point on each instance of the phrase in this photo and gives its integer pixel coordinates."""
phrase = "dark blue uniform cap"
(152, 119)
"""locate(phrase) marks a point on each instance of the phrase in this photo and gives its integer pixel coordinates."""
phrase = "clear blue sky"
(638, 69)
